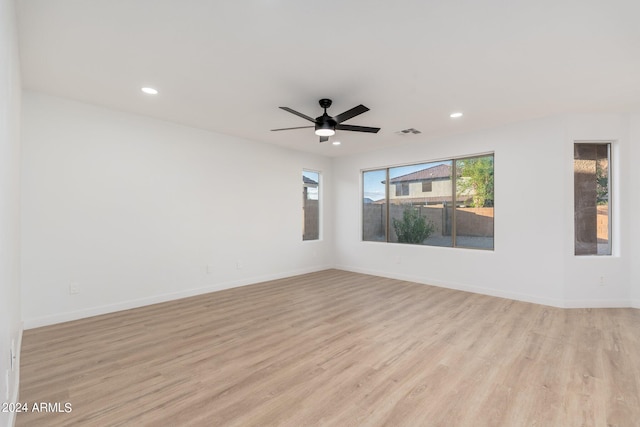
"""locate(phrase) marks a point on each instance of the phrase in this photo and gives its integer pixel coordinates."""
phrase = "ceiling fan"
(326, 125)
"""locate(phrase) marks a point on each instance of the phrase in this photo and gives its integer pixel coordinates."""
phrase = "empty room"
(289, 213)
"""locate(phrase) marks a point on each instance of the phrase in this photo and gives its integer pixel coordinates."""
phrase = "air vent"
(408, 131)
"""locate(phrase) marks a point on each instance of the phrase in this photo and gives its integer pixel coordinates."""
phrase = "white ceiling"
(227, 65)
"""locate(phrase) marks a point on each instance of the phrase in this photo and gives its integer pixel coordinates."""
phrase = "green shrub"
(413, 228)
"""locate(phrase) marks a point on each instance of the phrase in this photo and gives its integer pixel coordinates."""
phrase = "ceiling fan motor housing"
(325, 122)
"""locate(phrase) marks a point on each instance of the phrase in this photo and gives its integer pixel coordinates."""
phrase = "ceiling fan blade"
(299, 127)
(350, 113)
(357, 128)
(324, 138)
(304, 116)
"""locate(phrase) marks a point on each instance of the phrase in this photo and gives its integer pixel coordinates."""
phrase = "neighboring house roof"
(309, 181)
(368, 200)
(434, 172)
(421, 200)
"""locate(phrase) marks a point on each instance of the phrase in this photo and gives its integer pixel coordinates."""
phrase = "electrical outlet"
(602, 281)
(239, 265)
(208, 269)
(74, 289)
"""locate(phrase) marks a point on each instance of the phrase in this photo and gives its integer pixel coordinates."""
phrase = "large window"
(310, 205)
(444, 203)
(591, 180)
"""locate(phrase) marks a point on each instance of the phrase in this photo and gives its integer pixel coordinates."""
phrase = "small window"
(402, 189)
(427, 186)
(592, 208)
(310, 205)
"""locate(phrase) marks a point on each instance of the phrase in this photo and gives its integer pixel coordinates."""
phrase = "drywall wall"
(122, 210)
(634, 206)
(533, 258)
(10, 317)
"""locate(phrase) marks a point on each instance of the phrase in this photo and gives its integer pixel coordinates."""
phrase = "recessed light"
(149, 90)
(455, 115)
(336, 142)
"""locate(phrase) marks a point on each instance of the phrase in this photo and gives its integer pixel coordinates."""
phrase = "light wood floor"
(338, 349)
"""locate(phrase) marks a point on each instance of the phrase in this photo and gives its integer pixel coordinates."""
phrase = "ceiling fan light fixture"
(325, 132)
(325, 129)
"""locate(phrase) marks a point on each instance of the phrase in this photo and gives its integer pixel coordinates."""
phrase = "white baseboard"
(461, 287)
(155, 299)
(16, 377)
(559, 303)
(612, 303)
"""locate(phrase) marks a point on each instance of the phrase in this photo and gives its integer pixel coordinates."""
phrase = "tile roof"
(306, 180)
(434, 172)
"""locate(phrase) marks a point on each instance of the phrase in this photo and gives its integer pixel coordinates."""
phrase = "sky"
(312, 193)
(372, 185)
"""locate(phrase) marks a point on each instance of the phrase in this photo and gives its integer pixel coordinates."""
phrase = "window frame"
(320, 195)
(453, 160)
(611, 147)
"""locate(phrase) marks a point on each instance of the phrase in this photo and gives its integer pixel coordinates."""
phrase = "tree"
(476, 179)
(413, 228)
(602, 182)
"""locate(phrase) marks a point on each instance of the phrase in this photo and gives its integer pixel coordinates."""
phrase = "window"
(474, 202)
(456, 211)
(310, 205)
(402, 189)
(421, 217)
(592, 209)
(374, 212)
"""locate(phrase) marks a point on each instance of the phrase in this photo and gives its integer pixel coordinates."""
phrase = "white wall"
(634, 206)
(533, 258)
(132, 210)
(10, 317)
